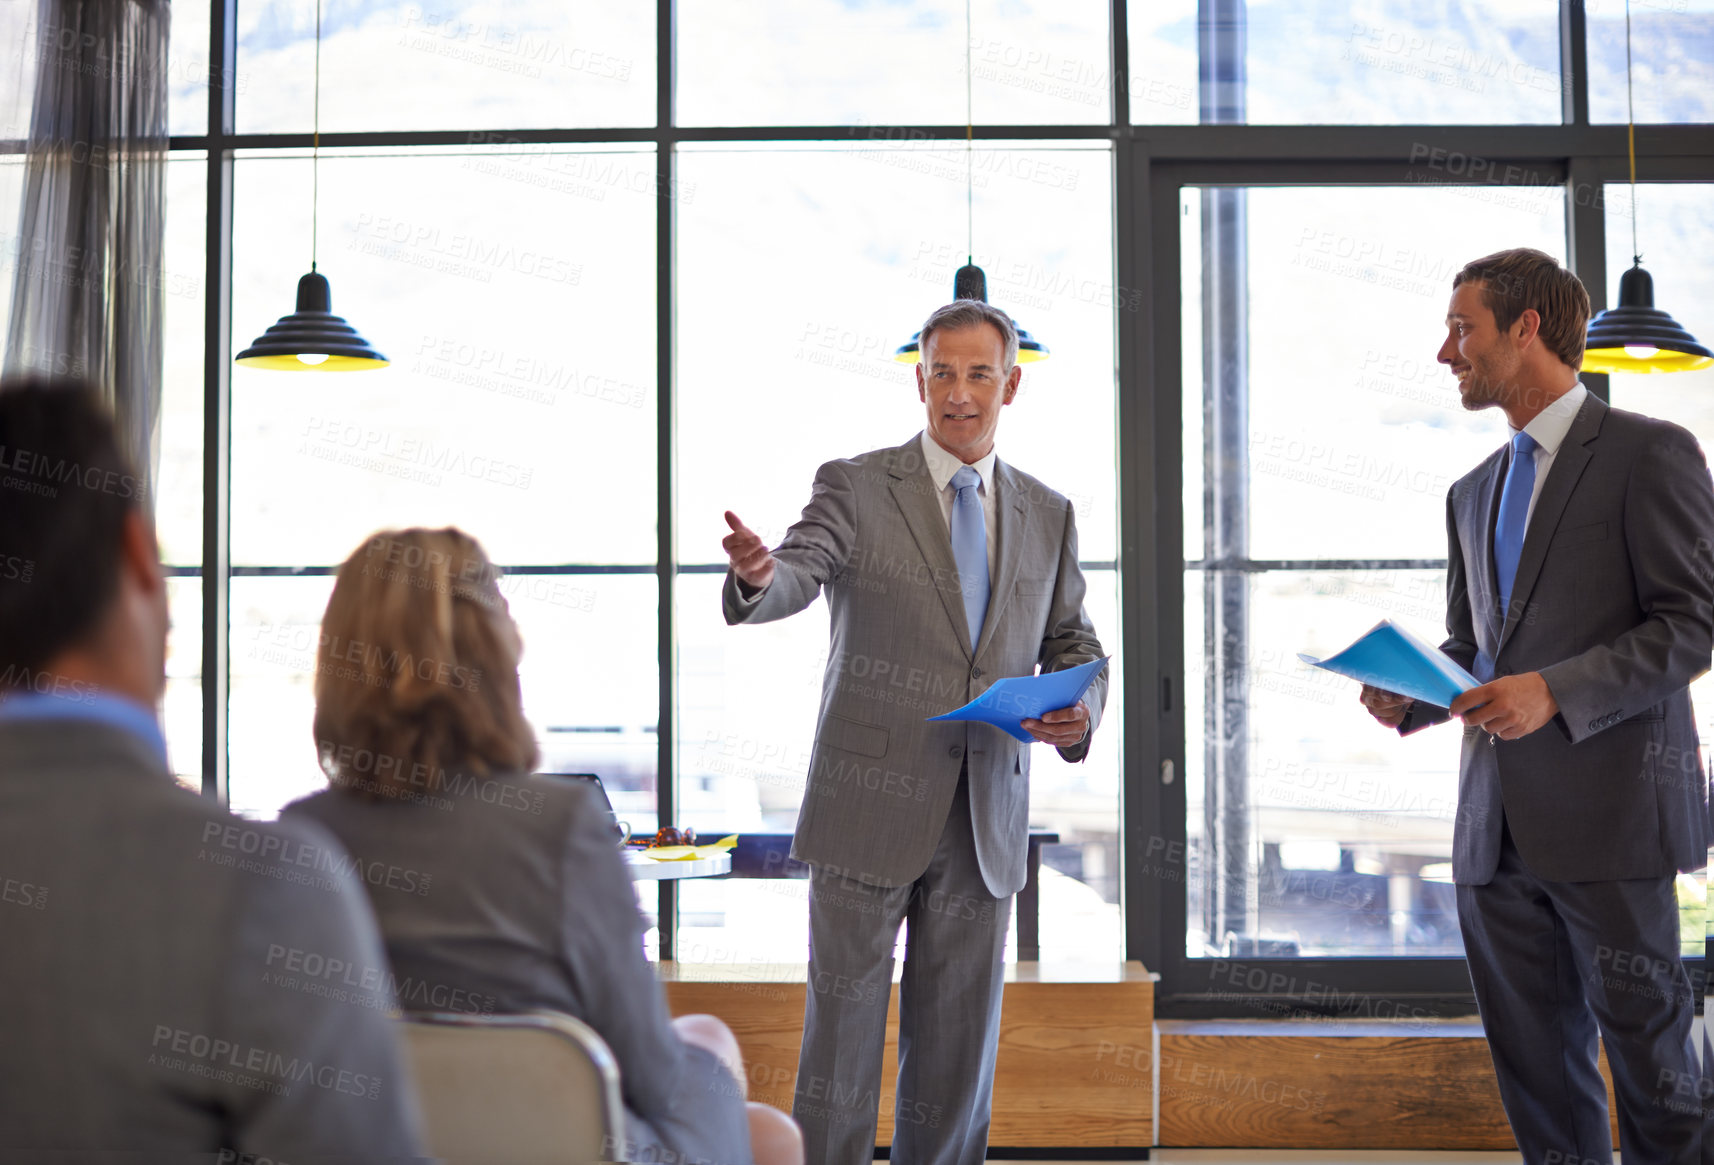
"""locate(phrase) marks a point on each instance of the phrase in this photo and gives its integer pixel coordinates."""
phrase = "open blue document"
(1392, 658)
(1018, 698)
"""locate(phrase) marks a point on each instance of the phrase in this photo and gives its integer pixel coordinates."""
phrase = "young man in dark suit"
(1578, 591)
(180, 985)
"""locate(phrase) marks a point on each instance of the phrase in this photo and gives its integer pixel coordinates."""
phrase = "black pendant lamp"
(969, 282)
(1636, 336)
(313, 339)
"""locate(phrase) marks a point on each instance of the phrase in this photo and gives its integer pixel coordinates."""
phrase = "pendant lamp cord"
(1631, 135)
(316, 146)
(969, 148)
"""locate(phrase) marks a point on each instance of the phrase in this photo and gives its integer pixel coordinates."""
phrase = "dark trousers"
(949, 1008)
(1552, 963)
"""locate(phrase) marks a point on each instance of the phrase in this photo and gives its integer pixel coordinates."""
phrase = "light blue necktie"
(970, 549)
(1514, 517)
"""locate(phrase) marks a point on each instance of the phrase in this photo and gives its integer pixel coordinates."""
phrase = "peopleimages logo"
(36, 473)
(203, 1055)
(278, 855)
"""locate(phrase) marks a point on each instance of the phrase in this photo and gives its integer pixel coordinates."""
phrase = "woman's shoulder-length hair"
(416, 680)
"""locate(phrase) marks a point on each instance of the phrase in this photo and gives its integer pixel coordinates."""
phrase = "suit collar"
(48, 745)
(942, 465)
(1484, 503)
(1549, 427)
(1568, 465)
(919, 502)
(81, 706)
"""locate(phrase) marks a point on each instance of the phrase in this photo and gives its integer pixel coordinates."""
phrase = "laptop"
(621, 830)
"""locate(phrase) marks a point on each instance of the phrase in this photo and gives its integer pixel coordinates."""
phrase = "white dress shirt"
(942, 465)
(1548, 430)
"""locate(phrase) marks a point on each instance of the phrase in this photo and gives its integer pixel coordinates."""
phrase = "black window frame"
(1152, 163)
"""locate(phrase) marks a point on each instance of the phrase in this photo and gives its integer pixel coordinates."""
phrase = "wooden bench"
(1074, 1067)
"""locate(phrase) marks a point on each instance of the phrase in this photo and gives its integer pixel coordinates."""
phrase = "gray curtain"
(86, 299)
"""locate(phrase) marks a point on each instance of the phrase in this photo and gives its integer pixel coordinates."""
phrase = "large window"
(631, 276)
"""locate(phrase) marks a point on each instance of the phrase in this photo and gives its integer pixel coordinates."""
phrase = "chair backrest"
(540, 1088)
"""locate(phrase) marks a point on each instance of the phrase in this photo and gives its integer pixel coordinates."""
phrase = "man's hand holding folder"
(1507, 708)
(1387, 707)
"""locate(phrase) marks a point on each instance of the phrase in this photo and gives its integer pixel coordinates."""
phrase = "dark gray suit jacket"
(881, 778)
(1613, 605)
(509, 895)
(153, 955)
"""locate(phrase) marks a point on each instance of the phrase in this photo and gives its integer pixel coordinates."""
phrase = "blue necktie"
(970, 549)
(1514, 517)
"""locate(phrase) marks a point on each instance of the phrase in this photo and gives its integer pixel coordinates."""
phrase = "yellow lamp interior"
(291, 363)
(1025, 356)
(1664, 360)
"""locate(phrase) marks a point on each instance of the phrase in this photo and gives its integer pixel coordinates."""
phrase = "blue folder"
(1017, 698)
(1392, 658)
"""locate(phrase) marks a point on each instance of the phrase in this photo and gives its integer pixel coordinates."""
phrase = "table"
(648, 870)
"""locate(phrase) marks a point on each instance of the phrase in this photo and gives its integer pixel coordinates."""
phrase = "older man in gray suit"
(1578, 590)
(180, 986)
(945, 569)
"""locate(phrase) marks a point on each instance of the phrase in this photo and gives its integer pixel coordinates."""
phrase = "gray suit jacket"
(152, 959)
(881, 779)
(527, 905)
(1612, 605)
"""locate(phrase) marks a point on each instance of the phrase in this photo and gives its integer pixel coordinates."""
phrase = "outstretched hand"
(1062, 727)
(747, 554)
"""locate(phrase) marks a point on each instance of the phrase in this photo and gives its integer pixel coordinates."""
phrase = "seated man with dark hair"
(180, 985)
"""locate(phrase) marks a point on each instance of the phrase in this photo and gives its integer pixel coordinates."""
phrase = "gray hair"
(971, 313)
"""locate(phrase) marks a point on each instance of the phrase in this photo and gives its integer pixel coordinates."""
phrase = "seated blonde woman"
(497, 891)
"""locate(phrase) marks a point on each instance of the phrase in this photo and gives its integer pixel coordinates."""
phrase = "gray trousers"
(1551, 963)
(949, 1008)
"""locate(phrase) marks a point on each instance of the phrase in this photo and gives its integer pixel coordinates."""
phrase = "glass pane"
(1675, 225)
(1349, 431)
(276, 625)
(178, 492)
(1343, 830)
(1080, 917)
(11, 247)
(181, 708)
(1672, 60)
(593, 710)
(188, 69)
(521, 398)
(1389, 63)
(19, 25)
(449, 66)
(832, 62)
(1163, 62)
(748, 698)
(889, 229)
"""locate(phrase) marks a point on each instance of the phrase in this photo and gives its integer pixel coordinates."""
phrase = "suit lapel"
(1012, 529)
(913, 490)
(1485, 502)
(1568, 466)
